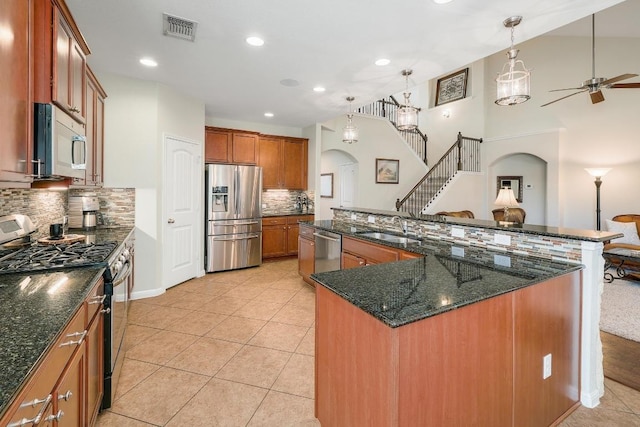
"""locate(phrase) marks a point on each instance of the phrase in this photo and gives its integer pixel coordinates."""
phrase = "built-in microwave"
(60, 148)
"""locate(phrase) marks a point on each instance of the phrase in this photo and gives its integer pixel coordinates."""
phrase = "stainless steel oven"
(118, 285)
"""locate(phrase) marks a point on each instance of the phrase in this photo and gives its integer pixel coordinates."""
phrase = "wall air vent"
(178, 27)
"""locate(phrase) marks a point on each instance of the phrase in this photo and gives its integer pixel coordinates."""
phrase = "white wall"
(330, 162)
(464, 192)
(378, 139)
(137, 114)
(255, 127)
(604, 134)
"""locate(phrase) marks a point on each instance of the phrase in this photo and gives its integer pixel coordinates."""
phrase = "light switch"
(502, 260)
(502, 239)
(371, 219)
(457, 251)
(457, 232)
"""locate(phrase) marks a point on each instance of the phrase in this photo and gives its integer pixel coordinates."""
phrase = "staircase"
(464, 155)
(388, 108)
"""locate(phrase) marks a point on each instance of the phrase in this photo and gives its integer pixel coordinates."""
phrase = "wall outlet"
(502, 260)
(501, 239)
(264, 205)
(371, 219)
(546, 366)
(457, 232)
(353, 216)
(457, 251)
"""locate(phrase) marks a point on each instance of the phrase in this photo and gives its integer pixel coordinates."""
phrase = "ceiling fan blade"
(596, 96)
(560, 99)
(617, 79)
(568, 88)
(625, 86)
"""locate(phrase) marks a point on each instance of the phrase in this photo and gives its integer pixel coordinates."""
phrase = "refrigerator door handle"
(230, 239)
(236, 189)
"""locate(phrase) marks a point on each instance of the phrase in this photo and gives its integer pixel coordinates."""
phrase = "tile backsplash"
(44, 207)
(275, 202)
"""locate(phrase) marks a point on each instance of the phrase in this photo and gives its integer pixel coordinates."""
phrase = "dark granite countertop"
(287, 213)
(33, 316)
(541, 230)
(449, 276)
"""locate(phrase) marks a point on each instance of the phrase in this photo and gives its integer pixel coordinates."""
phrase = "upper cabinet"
(95, 131)
(60, 59)
(16, 111)
(283, 161)
(230, 146)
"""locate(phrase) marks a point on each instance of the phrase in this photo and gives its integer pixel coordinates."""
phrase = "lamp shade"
(506, 198)
(597, 172)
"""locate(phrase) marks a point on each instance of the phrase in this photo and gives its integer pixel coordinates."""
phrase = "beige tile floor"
(237, 349)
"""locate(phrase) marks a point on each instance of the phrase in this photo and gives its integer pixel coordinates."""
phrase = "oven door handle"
(233, 239)
(123, 275)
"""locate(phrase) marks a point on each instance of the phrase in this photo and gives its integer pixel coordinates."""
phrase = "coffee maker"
(83, 212)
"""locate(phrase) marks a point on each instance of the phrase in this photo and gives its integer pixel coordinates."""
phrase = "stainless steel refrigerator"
(233, 211)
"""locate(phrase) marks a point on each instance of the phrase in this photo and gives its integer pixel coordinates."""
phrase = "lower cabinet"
(306, 253)
(64, 389)
(358, 253)
(280, 235)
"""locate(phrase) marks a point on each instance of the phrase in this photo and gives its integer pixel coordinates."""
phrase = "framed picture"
(326, 185)
(512, 182)
(387, 171)
(452, 87)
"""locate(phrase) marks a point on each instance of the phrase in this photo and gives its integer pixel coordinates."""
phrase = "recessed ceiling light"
(148, 62)
(382, 61)
(289, 82)
(268, 114)
(441, 1)
(255, 41)
(319, 89)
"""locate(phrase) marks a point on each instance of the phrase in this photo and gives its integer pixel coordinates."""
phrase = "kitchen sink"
(389, 237)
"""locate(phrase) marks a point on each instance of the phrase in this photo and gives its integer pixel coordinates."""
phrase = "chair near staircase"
(513, 215)
(457, 214)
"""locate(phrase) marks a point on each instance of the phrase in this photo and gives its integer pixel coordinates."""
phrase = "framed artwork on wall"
(452, 87)
(326, 185)
(512, 182)
(387, 171)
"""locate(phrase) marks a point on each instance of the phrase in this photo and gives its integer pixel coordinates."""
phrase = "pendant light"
(350, 132)
(407, 114)
(514, 83)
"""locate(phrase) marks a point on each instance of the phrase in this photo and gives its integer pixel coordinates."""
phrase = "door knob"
(171, 221)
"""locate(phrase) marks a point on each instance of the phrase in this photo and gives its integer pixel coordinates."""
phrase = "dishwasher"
(328, 249)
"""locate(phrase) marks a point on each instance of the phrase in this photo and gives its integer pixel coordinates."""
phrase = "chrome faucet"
(403, 224)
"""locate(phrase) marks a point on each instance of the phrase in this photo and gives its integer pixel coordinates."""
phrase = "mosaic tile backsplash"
(553, 248)
(276, 202)
(44, 207)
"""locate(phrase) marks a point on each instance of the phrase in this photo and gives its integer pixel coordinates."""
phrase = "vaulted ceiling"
(330, 43)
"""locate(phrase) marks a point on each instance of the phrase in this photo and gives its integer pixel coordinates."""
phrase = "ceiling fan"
(595, 84)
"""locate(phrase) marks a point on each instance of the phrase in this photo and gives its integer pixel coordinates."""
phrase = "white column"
(591, 372)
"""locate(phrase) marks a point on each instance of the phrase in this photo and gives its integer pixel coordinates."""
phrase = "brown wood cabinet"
(358, 253)
(477, 365)
(280, 235)
(17, 111)
(64, 383)
(230, 146)
(60, 53)
(306, 253)
(283, 161)
(94, 132)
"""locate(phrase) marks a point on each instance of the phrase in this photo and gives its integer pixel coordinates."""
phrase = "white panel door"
(348, 184)
(183, 173)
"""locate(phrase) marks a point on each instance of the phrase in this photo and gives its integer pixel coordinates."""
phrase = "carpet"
(620, 310)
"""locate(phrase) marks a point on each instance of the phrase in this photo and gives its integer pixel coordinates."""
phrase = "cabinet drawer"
(369, 251)
(66, 344)
(95, 301)
(298, 218)
(274, 221)
(306, 232)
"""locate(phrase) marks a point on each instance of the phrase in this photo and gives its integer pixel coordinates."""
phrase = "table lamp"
(506, 199)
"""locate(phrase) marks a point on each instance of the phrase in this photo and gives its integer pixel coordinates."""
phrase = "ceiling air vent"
(178, 27)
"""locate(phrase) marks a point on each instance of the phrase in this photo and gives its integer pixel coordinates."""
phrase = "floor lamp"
(598, 173)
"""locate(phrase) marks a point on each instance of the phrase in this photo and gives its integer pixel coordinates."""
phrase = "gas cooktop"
(39, 258)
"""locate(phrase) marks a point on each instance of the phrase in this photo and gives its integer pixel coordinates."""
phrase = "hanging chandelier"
(514, 83)
(407, 114)
(350, 131)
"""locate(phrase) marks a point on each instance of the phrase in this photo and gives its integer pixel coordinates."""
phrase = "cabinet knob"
(171, 220)
(65, 396)
(55, 417)
(74, 109)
